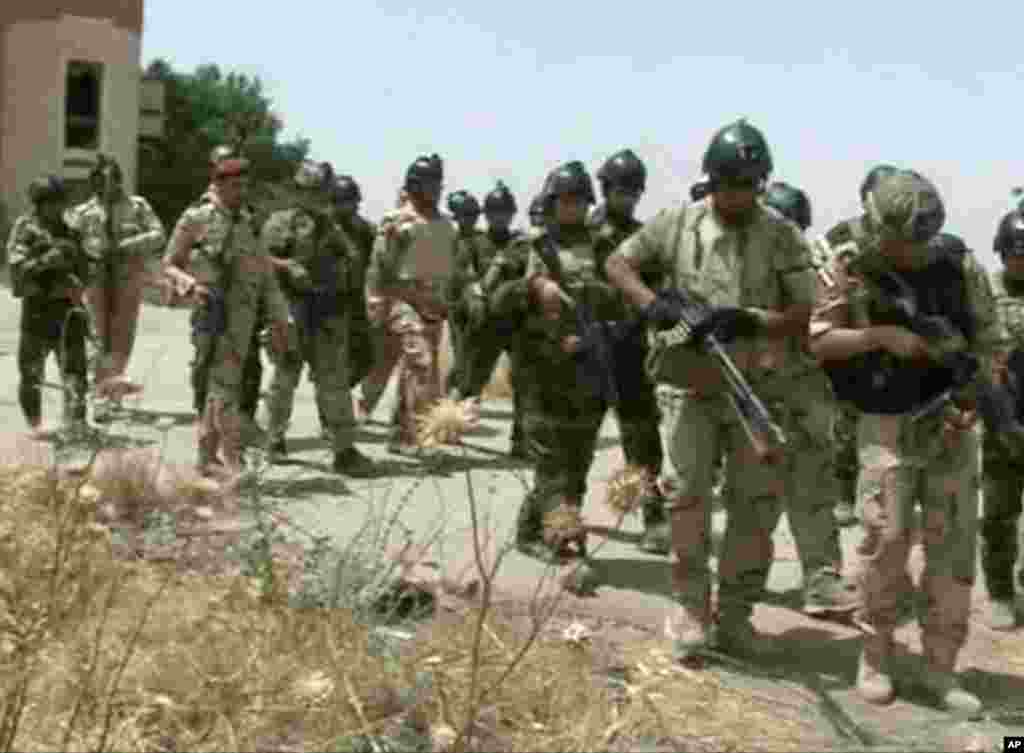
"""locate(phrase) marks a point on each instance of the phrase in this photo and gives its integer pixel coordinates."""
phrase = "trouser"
(561, 424)
(387, 351)
(52, 326)
(461, 336)
(415, 331)
(252, 378)
(845, 452)
(122, 304)
(638, 417)
(695, 430)
(1000, 535)
(902, 464)
(325, 351)
(483, 347)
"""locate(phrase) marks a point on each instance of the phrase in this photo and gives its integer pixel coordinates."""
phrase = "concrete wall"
(37, 41)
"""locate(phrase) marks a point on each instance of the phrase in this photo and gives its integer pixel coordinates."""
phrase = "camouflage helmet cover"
(874, 175)
(346, 189)
(905, 206)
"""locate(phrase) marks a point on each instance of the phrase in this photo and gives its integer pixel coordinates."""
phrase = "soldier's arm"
(179, 251)
(793, 264)
(276, 239)
(992, 341)
(832, 334)
(646, 247)
(153, 236)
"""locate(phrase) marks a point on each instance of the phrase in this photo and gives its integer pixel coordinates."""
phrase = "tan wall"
(126, 14)
(33, 66)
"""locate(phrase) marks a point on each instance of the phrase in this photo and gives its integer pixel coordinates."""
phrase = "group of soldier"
(689, 328)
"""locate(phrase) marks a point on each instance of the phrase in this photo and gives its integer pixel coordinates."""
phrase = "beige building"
(70, 87)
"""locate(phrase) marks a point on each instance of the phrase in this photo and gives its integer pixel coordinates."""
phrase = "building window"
(82, 105)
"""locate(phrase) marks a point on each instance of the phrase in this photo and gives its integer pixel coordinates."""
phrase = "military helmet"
(500, 200)
(1009, 239)
(947, 244)
(790, 202)
(221, 153)
(874, 175)
(537, 211)
(623, 169)
(345, 188)
(313, 175)
(905, 206)
(738, 151)
(47, 188)
(463, 204)
(570, 179)
(424, 169)
(105, 167)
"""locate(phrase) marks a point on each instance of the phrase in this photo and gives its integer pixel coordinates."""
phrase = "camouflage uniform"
(47, 264)
(1003, 473)
(902, 463)
(405, 295)
(139, 234)
(361, 353)
(472, 252)
(765, 264)
(561, 421)
(319, 254)
(225, 246)
(479, 271)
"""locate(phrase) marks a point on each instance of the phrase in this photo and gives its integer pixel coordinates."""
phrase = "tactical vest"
(878, 382)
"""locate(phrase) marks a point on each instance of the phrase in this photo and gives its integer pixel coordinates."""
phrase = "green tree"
(204, 109)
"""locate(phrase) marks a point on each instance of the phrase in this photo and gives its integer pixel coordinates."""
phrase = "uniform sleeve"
(795, 267)
(648, 247)
(536, 266)
(186, 230)
(19, 249)
(153, 236)
(991, 337)
(831, 308)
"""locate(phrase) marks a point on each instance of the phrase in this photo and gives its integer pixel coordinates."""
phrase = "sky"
(509, 90)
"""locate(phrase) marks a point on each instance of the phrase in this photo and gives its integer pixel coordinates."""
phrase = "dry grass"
(101, 653)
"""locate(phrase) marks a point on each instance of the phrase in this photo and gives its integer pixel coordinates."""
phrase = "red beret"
(230, 168)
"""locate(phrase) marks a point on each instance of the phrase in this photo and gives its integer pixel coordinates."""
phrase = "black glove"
(662, 313)
(727, 323)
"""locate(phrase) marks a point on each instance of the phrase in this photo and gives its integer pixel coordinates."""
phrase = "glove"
(727, 323)
(662, 313)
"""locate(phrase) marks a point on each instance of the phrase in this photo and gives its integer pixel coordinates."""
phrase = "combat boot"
(351, 462)
(827, 594)
(689, 629)
(940, 680)
(657, 536)
(1002, 615)
(740, 639)
(873, 680)
(530, 532)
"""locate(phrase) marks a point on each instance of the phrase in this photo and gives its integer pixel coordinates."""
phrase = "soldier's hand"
(571, 344)
(550, 297)
(279, 337)
(900, 341)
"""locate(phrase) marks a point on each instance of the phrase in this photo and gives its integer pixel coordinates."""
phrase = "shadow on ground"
(152, 417)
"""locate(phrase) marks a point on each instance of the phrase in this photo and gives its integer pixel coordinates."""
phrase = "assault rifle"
(947, 348)
(766, 436)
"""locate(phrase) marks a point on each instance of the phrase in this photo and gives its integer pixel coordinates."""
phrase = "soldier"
(623, 179)
(537, 218)
(933, 461)
(753, 268)
(411, 264)
(124, 230)
(465, 209)
(215, 259)
(810, 408)
(49, 272)
(252, 372)
(314, 260)
(1003, 471)
(500, 256)
(360, 232)
(562, 416)
(845, 238)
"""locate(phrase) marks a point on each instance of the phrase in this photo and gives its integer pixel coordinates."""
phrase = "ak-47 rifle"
(766, 436)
